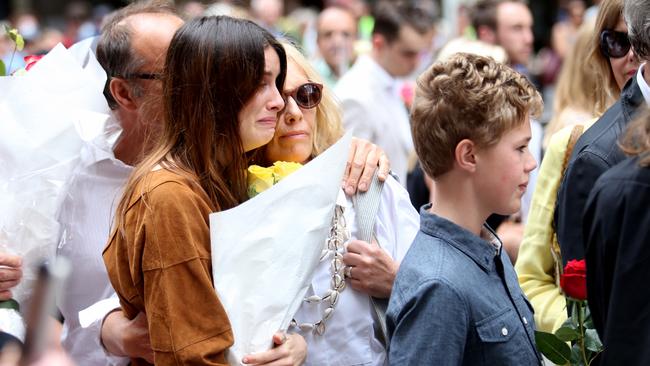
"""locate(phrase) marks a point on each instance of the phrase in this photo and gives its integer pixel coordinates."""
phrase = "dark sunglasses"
(306, 96)
(614, 44)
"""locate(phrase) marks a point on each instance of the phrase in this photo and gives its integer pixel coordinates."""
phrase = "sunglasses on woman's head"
(614, 44)
(306, 96)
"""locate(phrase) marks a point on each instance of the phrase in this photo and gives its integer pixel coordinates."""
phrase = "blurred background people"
(267, 13)
(576, 90)
(336, 33)
(508, 23)
(369, 92)
(564, 32)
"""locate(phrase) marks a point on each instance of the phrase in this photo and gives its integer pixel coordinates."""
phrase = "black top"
(594, 153)
(617, 233)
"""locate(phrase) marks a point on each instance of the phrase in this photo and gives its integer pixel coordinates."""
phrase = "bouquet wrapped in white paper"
(265, 251)
(46, 115)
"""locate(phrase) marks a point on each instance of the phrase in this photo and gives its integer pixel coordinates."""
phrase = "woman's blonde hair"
(607, 92)
(329, 121)
(577, 86)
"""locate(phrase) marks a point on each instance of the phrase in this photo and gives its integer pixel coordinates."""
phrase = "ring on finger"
(347, 272)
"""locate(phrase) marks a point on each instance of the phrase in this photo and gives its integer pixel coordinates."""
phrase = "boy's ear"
(465, 155)
(378, 42)
(123, 93)
(486, 34)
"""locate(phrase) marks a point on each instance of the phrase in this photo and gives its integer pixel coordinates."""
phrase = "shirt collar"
(101, 147)
(324, 69)
(481, 250)
(643, 85)
(381, 76)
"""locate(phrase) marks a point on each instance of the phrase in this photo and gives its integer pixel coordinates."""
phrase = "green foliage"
(553, 348)
(567, 334)
(19, 44)
(577, 329)
(592, 341)
(16, 37)
(576, 356)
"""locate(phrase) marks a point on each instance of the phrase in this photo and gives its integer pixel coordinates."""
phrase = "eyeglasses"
(306, 96)
(145, 76)
(614, 44)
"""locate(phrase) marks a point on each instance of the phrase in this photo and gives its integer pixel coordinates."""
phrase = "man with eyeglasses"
(132, 49)
(611, 289)
(369, 92)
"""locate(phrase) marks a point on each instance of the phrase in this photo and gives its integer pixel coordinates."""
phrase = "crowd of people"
(477, 200)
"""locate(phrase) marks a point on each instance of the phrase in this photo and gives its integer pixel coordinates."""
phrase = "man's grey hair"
(637, 17)
(114, 50)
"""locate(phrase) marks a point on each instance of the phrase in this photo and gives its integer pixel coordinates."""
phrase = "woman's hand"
(289, 350)
(361, 166)
(125, 337)
(370, 269)
(10, 274)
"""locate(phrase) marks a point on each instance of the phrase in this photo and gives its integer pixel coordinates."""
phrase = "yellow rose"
(259, 179)
(281, 169)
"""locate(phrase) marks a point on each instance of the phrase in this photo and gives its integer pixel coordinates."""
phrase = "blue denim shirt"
(456, 301)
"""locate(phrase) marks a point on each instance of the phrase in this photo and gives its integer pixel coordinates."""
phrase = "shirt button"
(525, 320)
(504, 331)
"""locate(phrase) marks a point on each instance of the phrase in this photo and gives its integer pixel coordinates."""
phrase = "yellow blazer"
(535, 265)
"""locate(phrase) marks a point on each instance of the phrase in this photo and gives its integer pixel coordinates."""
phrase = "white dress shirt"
(643, 85)
(373, 110)
(349, 337)
(86, 216)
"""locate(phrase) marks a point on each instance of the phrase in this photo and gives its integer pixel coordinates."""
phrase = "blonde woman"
(576, 91)
(539, 262)
(311, 122)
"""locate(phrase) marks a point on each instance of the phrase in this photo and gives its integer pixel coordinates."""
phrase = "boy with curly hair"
(456, 300)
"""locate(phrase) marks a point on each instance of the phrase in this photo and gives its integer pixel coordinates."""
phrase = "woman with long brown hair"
(221, 100)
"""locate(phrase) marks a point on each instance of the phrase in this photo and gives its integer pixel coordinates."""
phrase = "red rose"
(31, 61)
(574, 280)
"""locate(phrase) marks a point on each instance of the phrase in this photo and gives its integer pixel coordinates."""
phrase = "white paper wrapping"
(264, 251)
(46, 115)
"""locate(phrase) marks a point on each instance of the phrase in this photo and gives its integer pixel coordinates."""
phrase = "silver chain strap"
(333, 248)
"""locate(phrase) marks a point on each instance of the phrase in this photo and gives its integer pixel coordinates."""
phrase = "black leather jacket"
(594, 153)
